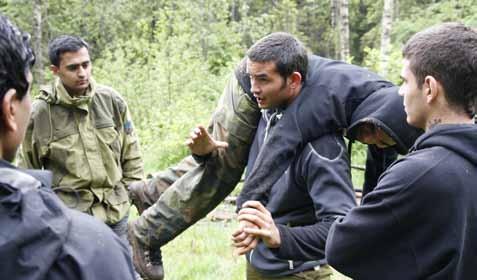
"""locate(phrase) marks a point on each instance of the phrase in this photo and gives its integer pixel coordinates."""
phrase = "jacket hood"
(385, 109)
(243, 78)
(55, 93)
(459, 138)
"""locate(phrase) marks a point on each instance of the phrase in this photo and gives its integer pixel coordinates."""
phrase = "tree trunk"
(334, 21)
(205, 15)
(333, 12)
(234, 10)
(386, 26)
(344, 30)
(37, 29)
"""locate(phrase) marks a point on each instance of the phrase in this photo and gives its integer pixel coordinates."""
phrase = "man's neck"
(448, 117)
(295, 92)
(6, 149)
(74, 93)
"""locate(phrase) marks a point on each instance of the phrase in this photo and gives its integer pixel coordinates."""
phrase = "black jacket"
(420, 222)
(377, 161)
(304, 202)
(42, 239)
(332, 94)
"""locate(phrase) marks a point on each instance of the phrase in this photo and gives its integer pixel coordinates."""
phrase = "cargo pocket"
(109, 142)
(117, 201)
(65, 157)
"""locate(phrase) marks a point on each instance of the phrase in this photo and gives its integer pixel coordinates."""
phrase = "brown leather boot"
(138, 196)
(147, 261)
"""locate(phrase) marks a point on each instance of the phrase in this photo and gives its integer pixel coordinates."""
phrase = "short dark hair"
(62, 44)
(16, 59)
(288, 53)
(448, 52)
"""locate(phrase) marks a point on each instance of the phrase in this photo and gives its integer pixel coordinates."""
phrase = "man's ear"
(9, 110)
(54, 69)
(295, 79)
(431, 88)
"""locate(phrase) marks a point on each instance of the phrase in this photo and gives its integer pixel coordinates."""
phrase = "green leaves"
(170, 58)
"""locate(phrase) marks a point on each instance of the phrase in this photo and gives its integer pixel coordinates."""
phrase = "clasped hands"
(255, 223)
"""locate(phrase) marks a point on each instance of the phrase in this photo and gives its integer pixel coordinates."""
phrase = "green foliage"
(358, 158)
(372, 62)
(418, 18)
(170, 59)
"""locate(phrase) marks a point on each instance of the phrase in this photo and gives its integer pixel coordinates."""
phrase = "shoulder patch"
(128, 127)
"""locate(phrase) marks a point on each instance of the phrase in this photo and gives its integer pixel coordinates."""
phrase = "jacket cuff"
(282, 252)
(201, 159)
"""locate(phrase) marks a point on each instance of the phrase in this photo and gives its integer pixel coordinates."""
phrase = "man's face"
(268, 87)
(18, 118)
(414, 98)
(74, 71)
(371, 134)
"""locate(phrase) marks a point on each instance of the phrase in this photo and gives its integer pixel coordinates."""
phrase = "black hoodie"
(385, 109)
(421, 220)
(42, 239)
(332, 94)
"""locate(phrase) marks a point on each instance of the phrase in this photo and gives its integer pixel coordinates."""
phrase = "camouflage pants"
(198, 189)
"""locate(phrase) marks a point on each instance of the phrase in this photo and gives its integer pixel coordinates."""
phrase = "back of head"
(448, 52)
(286, 51)
(62, 44)
(16, 59)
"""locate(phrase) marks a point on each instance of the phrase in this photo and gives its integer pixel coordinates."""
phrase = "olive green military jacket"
(89, 144)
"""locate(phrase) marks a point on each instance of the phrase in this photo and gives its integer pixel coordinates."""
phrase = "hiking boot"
(147, 261)
(137, 195)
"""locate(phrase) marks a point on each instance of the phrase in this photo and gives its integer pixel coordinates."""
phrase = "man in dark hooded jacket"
(381, 110)
(420, 222)
(40, 238)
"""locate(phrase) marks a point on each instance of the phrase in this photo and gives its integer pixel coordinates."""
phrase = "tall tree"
(334, 21)
(334, 12)
(344, 30)
(386, 27)
(37, 32)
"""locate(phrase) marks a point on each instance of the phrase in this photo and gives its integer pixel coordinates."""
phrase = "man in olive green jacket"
(83, 133)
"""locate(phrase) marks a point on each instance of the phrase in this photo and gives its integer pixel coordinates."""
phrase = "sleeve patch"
(128, 127)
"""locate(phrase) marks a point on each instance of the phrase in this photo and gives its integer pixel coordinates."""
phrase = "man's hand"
(201, 143)
(242, 241)
(254, 212)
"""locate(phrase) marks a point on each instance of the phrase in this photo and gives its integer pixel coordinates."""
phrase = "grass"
(203, 252)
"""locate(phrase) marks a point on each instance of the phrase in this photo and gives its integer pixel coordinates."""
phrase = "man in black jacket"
(317, 186)
(420, 222)
(40, 237)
